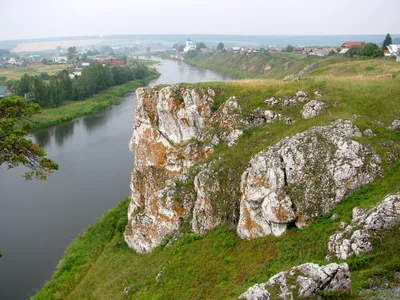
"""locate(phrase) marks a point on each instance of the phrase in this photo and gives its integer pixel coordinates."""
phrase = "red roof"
(113, 62)
(349, 44)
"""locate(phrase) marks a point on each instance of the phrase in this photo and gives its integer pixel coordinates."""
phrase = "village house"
(5, 91)
(275, 49)
(392, 50)
(347, 45)
(190, 46)
(236, 49)
(320, 52)
(60, 59)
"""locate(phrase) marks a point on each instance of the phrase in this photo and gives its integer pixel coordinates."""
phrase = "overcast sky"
(50, 18)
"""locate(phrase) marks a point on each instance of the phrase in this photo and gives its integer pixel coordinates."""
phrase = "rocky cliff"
(292, 182)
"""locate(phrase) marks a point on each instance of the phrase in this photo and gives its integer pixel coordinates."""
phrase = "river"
(39, 219)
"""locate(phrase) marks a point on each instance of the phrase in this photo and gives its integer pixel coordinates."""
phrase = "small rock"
(369, 132)
(313, 109)
(301, 94)
(355, 116)
(395, 125)
(317, 94)
(159, 275)
(379, 123)
(126, 290)
(343, 225)
(334, 216)
(336, 104)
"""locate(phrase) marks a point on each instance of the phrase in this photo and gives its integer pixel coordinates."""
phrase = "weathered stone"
(165, 120)
(126, 290)
(357, 237)
(313, 109)
(303, 281)
(369, 132)
(159, 275)
(206, 185)
(302, 177)
(395, 125)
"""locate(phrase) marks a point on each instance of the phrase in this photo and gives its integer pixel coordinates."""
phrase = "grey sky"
(49, 18)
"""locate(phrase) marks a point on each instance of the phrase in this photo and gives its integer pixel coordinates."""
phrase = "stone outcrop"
(302, 177)
(313, 109)
(303, 281)
(300, 97)
(395, 125)
(165, 120)
(206, 185)
(357, 237)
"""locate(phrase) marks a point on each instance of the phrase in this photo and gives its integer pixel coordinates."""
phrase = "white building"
(392, 50)
(60, 59)
(12, 61)
(190, 46)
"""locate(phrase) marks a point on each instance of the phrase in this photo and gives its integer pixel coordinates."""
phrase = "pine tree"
(387, 41)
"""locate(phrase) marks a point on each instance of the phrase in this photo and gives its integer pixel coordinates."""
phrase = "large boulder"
(303, 281)
(357, 237)
(302, 177)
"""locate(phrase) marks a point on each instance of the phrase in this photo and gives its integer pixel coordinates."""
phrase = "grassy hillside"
(280, 65)
(219, 265)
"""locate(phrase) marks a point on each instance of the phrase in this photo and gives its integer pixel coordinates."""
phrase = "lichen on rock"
(302, 177)
(303, 281)
(357, 237)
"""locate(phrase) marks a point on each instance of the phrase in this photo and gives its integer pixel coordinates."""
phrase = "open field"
(42, 46)
(220, 265)
(13, 73)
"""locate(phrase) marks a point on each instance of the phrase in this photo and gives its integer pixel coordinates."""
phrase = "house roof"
(349, 44)
(3, 89)
(393, 48)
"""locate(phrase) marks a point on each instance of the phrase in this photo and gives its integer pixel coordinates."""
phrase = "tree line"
(61, 87)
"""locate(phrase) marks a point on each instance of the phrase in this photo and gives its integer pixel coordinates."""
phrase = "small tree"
(45, 61)
(148, 49)
(220, 46)
(356, 50)
(387, 41)
(180, 48)
(332, 53)
(200, 46)
(289, 48)
(15, 149)
(71, 53)
(44, 76)
(370, 50)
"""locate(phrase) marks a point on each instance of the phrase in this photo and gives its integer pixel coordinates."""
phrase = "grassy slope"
(219, 265)
(284, 64)
(73, 109)
(13, 73)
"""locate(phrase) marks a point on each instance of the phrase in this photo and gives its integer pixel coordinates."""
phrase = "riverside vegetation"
(219, 264)
(63, 99)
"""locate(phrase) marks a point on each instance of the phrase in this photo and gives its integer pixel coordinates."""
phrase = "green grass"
(220, 265)
(284, 64)
(73, 109)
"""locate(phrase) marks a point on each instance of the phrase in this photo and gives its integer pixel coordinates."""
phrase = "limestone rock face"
(303, 281)
(302, 177)
(164, 119)
(313, 109)
(206, 185)
(356, 238)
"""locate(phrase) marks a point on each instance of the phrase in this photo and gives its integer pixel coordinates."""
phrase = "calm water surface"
(39, 219)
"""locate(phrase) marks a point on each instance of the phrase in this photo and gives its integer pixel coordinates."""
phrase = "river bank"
(74, 109)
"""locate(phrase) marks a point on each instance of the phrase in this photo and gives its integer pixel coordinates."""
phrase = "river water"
(38, 219)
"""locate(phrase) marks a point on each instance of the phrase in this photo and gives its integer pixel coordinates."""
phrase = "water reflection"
(42, 137)
(63, 132)
(94, 122)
